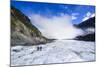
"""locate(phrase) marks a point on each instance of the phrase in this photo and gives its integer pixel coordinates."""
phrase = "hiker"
(39, 48)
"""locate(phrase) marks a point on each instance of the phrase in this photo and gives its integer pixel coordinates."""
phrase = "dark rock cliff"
(88, 24)
(23, 32)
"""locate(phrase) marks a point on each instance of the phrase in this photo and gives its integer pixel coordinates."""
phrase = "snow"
(59, 51)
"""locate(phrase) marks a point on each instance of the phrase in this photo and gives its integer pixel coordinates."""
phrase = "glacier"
(59, 51)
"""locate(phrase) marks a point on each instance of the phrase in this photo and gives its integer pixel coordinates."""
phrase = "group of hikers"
(39, 48)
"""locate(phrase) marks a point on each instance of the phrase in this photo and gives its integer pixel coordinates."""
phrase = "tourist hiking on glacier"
(39, 48)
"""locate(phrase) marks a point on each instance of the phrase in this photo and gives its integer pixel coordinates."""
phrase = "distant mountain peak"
(87, 23)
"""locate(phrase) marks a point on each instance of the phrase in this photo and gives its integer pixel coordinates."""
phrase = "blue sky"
(56, 20)
(78, 12)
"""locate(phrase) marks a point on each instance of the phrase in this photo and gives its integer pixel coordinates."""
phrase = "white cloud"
(90, 30)
(74, 17)
(75, 14)
(58, 27)
(62, 14)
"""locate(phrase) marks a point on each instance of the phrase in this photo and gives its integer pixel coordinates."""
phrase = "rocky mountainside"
(87, 24)
(88, 27)
(22, 31)
(88, 37)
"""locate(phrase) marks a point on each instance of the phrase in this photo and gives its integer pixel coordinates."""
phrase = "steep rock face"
(87, 24)
(88, 37)
(88, 27)
(22, 31)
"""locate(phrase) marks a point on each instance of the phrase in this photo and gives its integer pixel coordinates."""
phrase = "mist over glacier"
(57, 27)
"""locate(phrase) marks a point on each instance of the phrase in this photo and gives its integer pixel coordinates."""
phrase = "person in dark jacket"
(39, 48)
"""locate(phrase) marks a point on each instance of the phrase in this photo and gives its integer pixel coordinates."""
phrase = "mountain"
(87, 24)
(22, 31)
(88, 27)
(88, 37)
